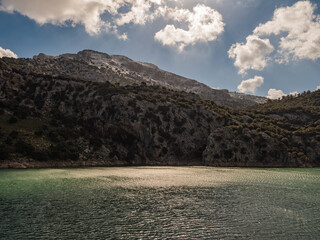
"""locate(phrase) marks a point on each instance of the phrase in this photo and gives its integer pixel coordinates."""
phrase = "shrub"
(96, 143)
(164, 150)
(21, 112)
(218, 138)
(8, 141)
(24, 148)
(40, 155)
(153, 117)
(4, 152)
(12, 120)
(38, 133)
(64, 151)
(228, 153)
(53, 136)
(177, 150)
(39, 101)
(179, 123)
(14, 134)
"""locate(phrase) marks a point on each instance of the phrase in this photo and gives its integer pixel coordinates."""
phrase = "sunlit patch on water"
(160, 202)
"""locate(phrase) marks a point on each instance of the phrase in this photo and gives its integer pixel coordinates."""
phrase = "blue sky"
(251, 46)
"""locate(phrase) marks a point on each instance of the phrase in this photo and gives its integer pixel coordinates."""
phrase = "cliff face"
(48, 119)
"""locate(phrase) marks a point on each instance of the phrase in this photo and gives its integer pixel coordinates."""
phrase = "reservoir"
(160, 203)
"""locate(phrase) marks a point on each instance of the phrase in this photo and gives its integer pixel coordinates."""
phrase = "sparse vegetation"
(62, 118)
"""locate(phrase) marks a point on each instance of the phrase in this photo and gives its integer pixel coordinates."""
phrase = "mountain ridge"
(52, 119)
(132, 72)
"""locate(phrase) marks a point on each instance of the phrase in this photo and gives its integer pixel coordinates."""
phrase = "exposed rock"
(101, 67)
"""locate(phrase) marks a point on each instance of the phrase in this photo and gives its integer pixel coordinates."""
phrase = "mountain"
(101, 67)
(279, 133)
(63, 111)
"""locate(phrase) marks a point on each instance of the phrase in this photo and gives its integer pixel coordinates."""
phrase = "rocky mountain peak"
(101, 67)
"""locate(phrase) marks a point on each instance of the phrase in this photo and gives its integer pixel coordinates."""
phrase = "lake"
(160, 203)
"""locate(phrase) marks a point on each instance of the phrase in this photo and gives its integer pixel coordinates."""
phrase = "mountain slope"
(278, 133)
(48, 119)
(101, 67)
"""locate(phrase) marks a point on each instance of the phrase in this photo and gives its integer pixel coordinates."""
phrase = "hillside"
(278, 133)
(49, 120)
(101, 67)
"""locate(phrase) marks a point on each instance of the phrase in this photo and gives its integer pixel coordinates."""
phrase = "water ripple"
(160, 203)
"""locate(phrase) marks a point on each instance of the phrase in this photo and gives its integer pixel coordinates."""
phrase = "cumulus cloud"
(204, 24)
(88, 13)
(252, 54)
(299, 31)
(251, 85)
(275, 94)
(318, 88)
(7, 53)
(140, 12)
(59, 12)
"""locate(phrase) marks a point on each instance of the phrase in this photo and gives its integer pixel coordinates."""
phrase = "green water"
(160, 203)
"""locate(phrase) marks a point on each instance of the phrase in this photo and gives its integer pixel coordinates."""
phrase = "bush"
(8, 141)
(150, 115)
(164, 151)
(177, 150)
(4, 152)
(12, 120)
(14, 134)
(40, 155)
(22, 112)
(64, 151)
(228, 153)
(53, 136)
(39, 101)
(218, 138)
(96, 143)
(38, 133)
(24, 148)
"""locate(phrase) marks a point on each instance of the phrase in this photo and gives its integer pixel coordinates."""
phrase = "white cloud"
(59, 12)
(85, 12)
(318, 88)
(275, 94)
(301, 29)
(139, 13)
(251, 85)
(252, 54)
(204, 24)
(7, 53)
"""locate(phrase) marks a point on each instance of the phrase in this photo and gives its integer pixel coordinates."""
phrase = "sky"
(266, 48)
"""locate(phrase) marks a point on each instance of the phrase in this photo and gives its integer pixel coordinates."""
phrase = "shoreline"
(30, 164)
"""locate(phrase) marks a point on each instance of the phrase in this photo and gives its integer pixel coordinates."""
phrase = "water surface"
(160, 203)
